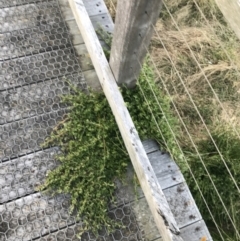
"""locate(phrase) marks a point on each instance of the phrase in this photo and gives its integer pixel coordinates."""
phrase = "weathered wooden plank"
(26, 70)
(75, 34)
(26, 136)
(29, 15)
(133, 30)
(196, 232)
(91, 79)
(34, 40)
(182, 205)
(162, 163)
(170, 179)
(103, 21)
(155, 197)
(33, 216)
(166, 170)
(150, 146)
(95, 7)
(84, 60)
(98, 19)
(37, 98)
(231, 11)
(178, 195)
(19, 177)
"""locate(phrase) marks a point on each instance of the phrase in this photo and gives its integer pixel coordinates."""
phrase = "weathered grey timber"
(231, 12)
(30, 107)
(157, 202)
(180, 200)
(133, 30)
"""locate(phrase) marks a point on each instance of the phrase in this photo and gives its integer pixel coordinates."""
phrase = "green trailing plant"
(93, 153)
(106, 39)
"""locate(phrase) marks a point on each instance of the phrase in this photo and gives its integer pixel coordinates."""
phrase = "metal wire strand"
(177, 142)
(191, 99)
(203, 73)
(219, 41)
(191, 172)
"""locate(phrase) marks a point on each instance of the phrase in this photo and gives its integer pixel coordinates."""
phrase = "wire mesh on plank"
(33, 216)
(12, 3)
(37, 98)
(26, 70)
(36, 56)
(21, 176)
(26, 136)
(34, 40)
(29, 15)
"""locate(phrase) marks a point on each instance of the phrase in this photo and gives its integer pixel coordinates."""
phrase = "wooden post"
(158, 204)
(231, 11)
(132, 34)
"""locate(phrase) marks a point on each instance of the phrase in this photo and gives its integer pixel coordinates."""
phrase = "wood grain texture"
(133, 30)
(231, 11)
(161, 212)
(182, 205)
(150, 146)
(196, 232)
(178, 195)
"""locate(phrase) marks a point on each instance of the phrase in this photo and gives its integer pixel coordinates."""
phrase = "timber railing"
(132, 33)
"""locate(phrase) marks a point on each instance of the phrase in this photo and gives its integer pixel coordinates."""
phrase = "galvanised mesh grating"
(36, 56)
(37, 217)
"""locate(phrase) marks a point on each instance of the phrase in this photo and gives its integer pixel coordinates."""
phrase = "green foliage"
(106, 37)
(147, 115)
(209, 46)
(93, 153)
(228, 144)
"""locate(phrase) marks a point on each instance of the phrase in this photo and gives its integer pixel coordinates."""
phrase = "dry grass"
(207, 51)
(111, 5)
(211, 46)
(198, 52)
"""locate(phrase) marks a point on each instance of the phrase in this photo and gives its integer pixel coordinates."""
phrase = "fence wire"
(228, 225)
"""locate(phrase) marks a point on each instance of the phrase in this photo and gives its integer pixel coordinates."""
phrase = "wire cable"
(182, 151)
(191, 99)
(203, 73)
(177, 142)
(219, 42)
(191, 137)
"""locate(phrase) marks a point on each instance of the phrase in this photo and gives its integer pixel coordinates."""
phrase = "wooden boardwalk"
(40, 46)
